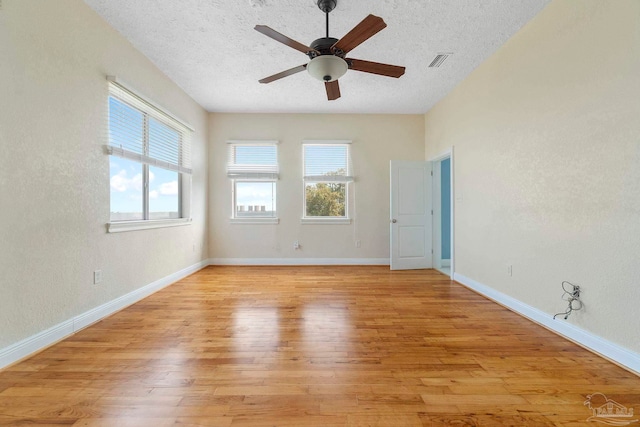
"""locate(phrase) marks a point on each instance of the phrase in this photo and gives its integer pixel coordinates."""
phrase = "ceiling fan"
(327, 54)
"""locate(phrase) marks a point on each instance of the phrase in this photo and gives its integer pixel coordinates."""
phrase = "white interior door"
(410, 215)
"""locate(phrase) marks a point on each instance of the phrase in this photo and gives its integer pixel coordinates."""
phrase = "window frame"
(347, 179)
(149, 110)
(246, 173)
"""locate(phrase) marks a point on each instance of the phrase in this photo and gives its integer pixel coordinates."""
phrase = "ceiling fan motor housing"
(323, 45)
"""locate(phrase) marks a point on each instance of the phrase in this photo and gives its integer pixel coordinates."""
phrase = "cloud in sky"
(120, 182)
(169, 188)
(249, 194)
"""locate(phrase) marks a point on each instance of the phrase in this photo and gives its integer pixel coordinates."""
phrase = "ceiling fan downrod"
(327, 15)
(327, 6)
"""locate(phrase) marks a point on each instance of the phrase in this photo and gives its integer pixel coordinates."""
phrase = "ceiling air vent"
(439, 59)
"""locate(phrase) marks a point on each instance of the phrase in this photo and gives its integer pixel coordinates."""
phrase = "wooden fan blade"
(283, 39)
(333, 90)
(375, 68)
(284, 73)
(368, 27)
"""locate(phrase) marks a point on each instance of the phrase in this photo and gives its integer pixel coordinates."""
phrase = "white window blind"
(257, 161)
(141, 131)
(327, 161)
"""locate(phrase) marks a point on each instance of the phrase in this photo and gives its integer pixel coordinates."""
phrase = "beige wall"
(54, 176)
(376, 140)
(547, 164)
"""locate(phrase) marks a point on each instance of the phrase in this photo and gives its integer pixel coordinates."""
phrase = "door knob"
(394, 221)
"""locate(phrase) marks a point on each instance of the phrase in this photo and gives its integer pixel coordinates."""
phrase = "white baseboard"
(41, 340)
(35, 343)
(601, 346)
(299, 261)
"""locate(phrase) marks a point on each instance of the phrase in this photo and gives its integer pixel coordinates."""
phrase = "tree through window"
(327, 174)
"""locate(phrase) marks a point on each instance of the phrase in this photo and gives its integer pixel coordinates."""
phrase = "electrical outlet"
(97, 277)
(510, 270)
(358, 243)
(296, 245)
(572, 296)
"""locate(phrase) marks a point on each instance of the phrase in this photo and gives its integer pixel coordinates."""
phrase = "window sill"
(254, 220)
(326, 221)
(121, 226)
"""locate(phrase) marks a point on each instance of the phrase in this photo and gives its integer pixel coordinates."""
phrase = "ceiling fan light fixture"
(327, 68)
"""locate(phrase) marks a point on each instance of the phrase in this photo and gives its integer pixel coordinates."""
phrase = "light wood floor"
(312, 346)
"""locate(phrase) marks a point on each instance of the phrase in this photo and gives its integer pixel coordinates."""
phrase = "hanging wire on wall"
(572, 296)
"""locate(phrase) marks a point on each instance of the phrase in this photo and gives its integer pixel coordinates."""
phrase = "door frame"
(437, 210)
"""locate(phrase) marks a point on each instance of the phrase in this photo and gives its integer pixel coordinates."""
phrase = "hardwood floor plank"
(126, 422)
(384, 421)
(311, 346)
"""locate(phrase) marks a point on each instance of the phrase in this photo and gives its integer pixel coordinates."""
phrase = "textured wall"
(547, 164)
(54, 176)
(376, 140)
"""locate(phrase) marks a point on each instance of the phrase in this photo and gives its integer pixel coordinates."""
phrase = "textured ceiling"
(210, 49)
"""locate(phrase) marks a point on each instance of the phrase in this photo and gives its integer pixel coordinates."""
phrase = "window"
(253, 169)
(327, 174)
(149, 161)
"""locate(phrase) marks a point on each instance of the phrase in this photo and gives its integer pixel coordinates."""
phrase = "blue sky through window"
(126, 177)
(256, 194)
(126, 189)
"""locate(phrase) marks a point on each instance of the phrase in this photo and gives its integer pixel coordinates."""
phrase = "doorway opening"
(443, 213)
